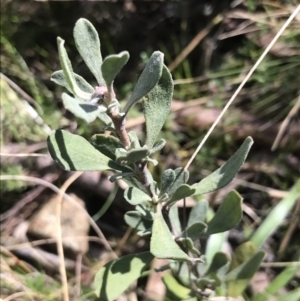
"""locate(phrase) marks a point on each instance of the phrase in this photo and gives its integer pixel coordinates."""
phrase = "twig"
(289, 20)
(23, 155)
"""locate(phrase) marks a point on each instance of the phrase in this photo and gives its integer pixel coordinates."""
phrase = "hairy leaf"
(107, 145)
(88, 44)
(167, 179)
(81, 108)
(137, 221)
(198, 212)
(73, 152)
(135, 196)
(224, 175)
(68, 71)
(175, 221)
(59, 78)
(148, 79)
(181, 177)
(219, 260)
(162, 243)
(158, 146)
(228, 214)
(187, 244)
(194, 231)
(181, 192)
(116, 276)
(157, 106)
(112, 65)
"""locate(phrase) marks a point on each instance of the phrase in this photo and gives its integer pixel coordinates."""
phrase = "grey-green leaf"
(158, 146)
(81, 108)
(167, 179)
(198, 212)
(148, 79)
(157, 106)
(74, 153)
(107, 145)
(224, 175)
(181, 177)
(174, 219)
(183, 191)
(134, 196)
(219, 260)
(59, 78)
(116, 276)
(68, 71)
(162, 244)
(88, 44)
(136, 220)
(194, 231)
(187, 243)
(228, 215)
(112, 65)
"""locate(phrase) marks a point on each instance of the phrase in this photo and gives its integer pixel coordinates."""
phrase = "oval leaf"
(88, 45)
(183, 191)
(80, 108)
(157, 106)
(135, 196)
(116, 276)
(224, 175)
(162, 244)
(112, 65)
(148, 79)
(219, 260)
(167, 179)
(107, 145)
(73, 152)
(198, 212)
(228, 215)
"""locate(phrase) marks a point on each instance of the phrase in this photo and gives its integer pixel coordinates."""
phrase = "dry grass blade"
(293, 15)
(285, 123)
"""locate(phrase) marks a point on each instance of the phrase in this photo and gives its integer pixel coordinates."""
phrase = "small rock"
(74, 223)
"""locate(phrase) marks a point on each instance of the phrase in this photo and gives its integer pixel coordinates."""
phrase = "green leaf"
(162, 244)
(148, 79)
(73, 152)
(135, 143)
(198, 212)
(137, 221)
(228, 215)
(80, 108)
(68, 71)
(116, 276)
(88, 45)
(277, 284)
(219, 260)
(182, 192)
(224, 175)
(59, 78)
(245, 262)
(175, 288)
(194, 231)
(276, 216)
(157, 106)
(135, 196)
(112, 65)
(107, 145)
(135, 155)
(158, 146)
(174, 219)
(187, 244)
(181, 177)
(167, 179)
